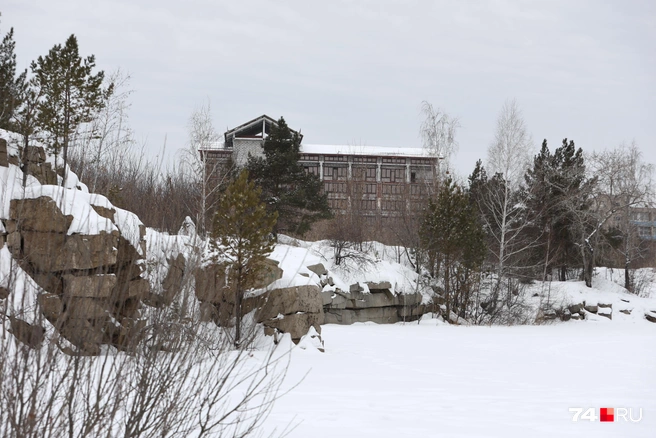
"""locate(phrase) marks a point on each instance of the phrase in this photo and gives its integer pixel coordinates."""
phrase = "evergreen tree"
(286, 187)
(10, 84)
(559, 198)
(454, 241)
(242, 230)
(71, 93)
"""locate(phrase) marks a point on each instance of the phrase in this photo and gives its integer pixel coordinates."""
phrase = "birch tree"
(206, 178)
(438, 134)
(500, 198)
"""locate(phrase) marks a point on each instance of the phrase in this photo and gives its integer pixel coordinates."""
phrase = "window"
(644, 231)
(413, 177)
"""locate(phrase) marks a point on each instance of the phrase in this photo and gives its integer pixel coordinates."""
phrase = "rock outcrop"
(290, 310)
(379, 305)
(92, 282)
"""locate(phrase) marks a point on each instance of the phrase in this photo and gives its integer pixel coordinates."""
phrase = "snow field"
(434, 380)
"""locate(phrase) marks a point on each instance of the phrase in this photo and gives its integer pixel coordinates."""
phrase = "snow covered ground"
(430, 379)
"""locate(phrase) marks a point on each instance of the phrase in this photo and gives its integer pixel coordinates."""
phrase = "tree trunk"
(627, 276)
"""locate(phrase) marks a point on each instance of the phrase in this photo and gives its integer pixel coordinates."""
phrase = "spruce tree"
(10, 84)
(242, 231)
(71, 94)
(286, 187)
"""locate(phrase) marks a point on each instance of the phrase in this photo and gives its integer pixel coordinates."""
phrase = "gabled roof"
(258, 127)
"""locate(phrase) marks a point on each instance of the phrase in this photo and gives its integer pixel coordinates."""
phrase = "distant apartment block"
(644, 218)
(375, 181)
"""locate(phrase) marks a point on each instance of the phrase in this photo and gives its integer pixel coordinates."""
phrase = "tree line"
(514, 220)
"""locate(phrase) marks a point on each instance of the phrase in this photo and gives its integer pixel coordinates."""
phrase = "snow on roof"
(362, 150)
(344, 149)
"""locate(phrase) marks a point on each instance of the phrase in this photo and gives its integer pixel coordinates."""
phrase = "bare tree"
(510, 152)
(438, 134)
(625, 181)
(180, 377)
(107, 137)
(198, 169)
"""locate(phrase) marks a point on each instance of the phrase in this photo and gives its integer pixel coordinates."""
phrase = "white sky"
(356, 72)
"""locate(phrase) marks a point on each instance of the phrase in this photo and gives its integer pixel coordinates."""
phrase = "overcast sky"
(356, 72)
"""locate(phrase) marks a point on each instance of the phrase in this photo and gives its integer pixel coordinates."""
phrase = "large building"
(375, 181)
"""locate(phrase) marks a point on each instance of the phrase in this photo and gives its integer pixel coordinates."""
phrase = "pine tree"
(286, 187)
(559, 198)
(454, 241)
(10, 84)
(71, 93)
(242, 230)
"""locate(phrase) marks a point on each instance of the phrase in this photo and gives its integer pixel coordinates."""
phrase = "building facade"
(644, 219)
(374, 181)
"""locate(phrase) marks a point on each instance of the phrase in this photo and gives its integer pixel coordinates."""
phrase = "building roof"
(363, 150)
(258, 127)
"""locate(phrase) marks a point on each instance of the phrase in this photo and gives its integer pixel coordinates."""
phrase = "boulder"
(575, 308)
(51, 306)
(592, 308)
(386, 299)
(107, 213)
(211, 285)
(128, 309)
(409, 299)
(380, 315)
(576, 316)
(138, 289)
(650, 316)
(327, 297)
(35, 154)
(412, 313)
(43, 173)
(127, 253)
(297, 324)
(3, 153)
(318, 269)
(626, 311)
(83, 334)
(306, 299)
(14, 244)
(47, 281)
(607, 306)
(40, 214)
(208, 312)
(565, 315)
(354, 288)
(455, 319)
(172, 284)
(89, 286)
(381, 285)
(85, 308)
(53, 252)
(605, 311)
(31, 335)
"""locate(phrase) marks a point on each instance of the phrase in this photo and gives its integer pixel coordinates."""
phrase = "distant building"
(644, 219)
(375, 181)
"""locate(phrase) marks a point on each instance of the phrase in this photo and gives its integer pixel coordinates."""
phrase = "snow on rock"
(77, 204)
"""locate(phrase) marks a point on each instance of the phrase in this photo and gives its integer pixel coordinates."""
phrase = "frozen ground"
(427, 381)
